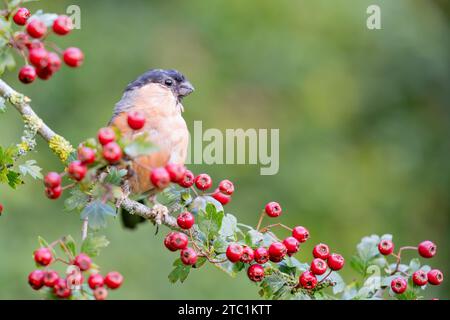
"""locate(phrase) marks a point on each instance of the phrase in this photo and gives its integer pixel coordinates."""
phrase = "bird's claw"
(159, 212)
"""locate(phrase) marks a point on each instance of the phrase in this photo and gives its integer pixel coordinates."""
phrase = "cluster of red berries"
(426, 249)
(179, 241)
(77, 171)
(43, 63)
(176, 173)
(63, 286)
(323, 260)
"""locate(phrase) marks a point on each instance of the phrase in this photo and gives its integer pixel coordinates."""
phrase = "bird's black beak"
(185, 89)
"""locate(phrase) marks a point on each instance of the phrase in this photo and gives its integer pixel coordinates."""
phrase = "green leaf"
(228, 267)
(115, 176)
(93, 244)
(7, 155)
(368, 248)
(253, 238)
(358, 264)
(339, 284)
(229, 226)
(140, 146)
(13, 179)
(209, 221)
(180, 272)
(96, 212)
(292, 266)
(7, 61)
(220, 245)
(271, 285)
(69, 243)
(31, 169)
(200, 263)
(414, 265)
(76, 201)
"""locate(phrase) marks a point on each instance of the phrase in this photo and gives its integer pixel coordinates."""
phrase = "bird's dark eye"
(168, 82)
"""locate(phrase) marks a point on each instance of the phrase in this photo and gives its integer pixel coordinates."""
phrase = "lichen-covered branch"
(62, 148)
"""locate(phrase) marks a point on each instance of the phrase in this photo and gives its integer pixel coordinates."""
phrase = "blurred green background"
(363, 117)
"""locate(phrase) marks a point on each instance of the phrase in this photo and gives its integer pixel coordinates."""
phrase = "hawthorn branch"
(59, 145)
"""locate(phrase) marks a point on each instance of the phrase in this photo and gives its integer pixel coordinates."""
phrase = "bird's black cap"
(169, 78)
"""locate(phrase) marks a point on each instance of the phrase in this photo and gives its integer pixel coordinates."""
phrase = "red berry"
(168, 242)
(234, 252)
(277, 251)
(255, 272)
(188, 256)
(176, 172)
(188, 179)
(178, 240)
(226, 187)
(318, 266)
(52, 180)
(62, 25)
(36, 28)
(95, 280)
(273, 209)
(261, 255)
(43, 256)
(321, 251)
(61, 289)
(203, 181)
(44, 73)
(185, 220)
(83, 261)
(21, 40)
(73, 57)
(113, 280)
(308, 280)
(34, 44)
(21, 16)
(54, 62)
(247, 255)
(336, 261)
(420, 278)
(427, 249)
(77, 170)
(106, 135)
(36, 279)
(53, 193)
(435, 277)
(38, 57)
(221, 197)
(100, 293)
(27, 74)
(112, 152)
(399, 285)
(300, 233)
(86, 155)
(136, 120)
(74, 278)
(51, 277)
(291, 244)
(1, 209)
(160, 178)
(386, 247)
